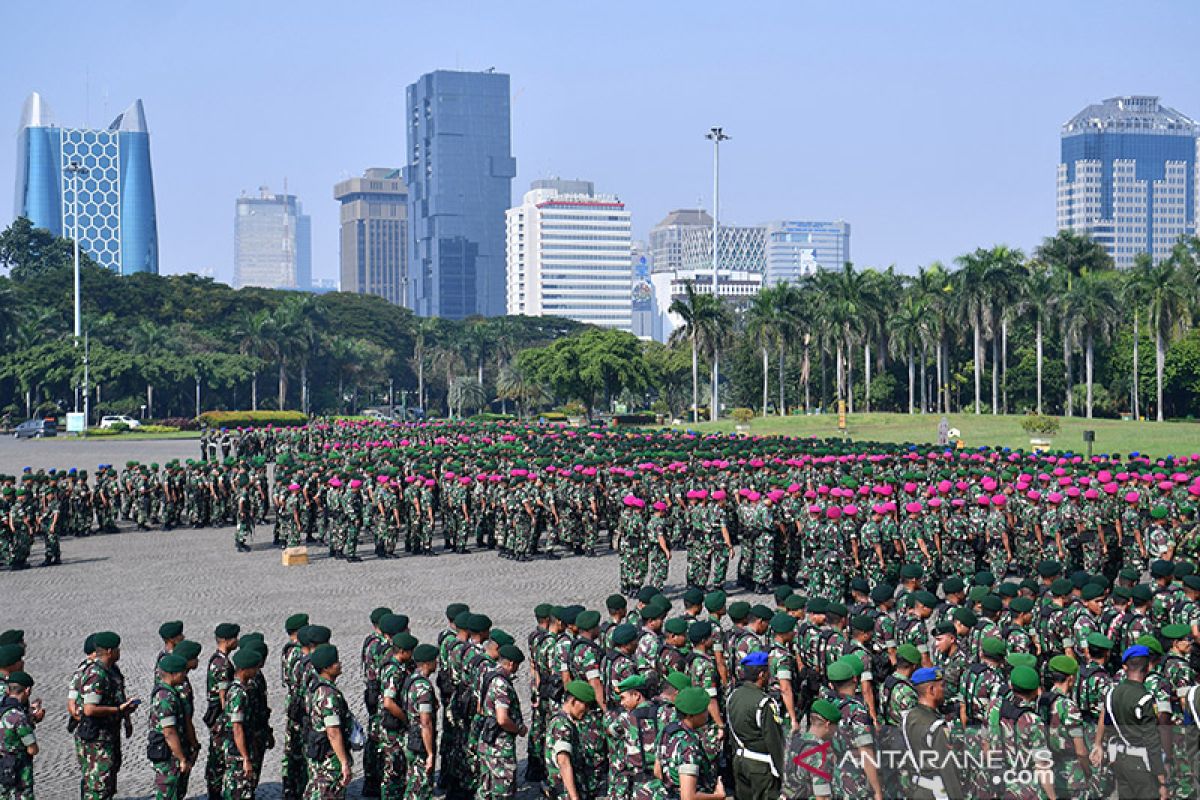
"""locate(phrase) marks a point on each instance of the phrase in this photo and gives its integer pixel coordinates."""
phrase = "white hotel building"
(568, 253)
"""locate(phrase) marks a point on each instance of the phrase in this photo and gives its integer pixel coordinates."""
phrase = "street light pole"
(75, 170)
(716, 135)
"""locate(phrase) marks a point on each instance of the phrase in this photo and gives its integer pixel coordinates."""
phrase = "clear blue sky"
(932, 127)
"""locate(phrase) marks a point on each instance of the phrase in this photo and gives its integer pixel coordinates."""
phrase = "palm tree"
(1091, 307)
(973, 301)
(296, 336)
(446, 358)
(1167, 298)
(465, 392)
(513, 384)
(1133, 296)
(764, 328)
(149, 341)
(700, 314)
(907, 328)
(424, 332)
(256, 335)
(1040, 289)
(845, 297)
(1003, 276)
(935, 290)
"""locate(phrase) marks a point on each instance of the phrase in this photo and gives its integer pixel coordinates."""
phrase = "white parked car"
(108, 422)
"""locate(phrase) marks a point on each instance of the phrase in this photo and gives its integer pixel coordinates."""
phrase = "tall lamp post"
(716, 136)
(76, 171)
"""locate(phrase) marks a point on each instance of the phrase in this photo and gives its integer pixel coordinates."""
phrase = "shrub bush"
(103, 432)
(158, 429)
(488, 416)
(1041, 425)
(634, 419)
(742, 415)
(179, 423)
(256, 419)
(118, 427)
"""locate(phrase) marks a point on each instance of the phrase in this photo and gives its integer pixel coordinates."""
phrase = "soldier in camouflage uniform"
(244, 514)
(685, 767)
(327, 746)
(503, 722)
(658, 546)
(420, 710)
(102, 693)
(812, 779)
(634, 546)
(562, 743)
(1065, 731)
(18, 740)
(167, 748)
(857, 776)
(239, 777)
(1017, 731)
(1177, 677)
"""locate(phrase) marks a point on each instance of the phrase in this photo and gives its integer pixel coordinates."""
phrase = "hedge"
(634, 419)
(255, 419)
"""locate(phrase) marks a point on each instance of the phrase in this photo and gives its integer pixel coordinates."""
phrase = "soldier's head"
(426, 658)
(1177, 638)
(189, 651)
(923, 603)
(908, 658)
(692, 705)
(816, 608)
(675, 631)
(19, 685)
(862, 628)
(108, 647)
(632, 691)
(1063, 672)
(511, 658)
(12, 658)
(944, 636)
(579, 697)
(171, 634)
(783, 628)
(326, 661)
(173, 669)
(617, 607)
(823, 719)
(1025, 682)
(954, 589)
(931, 689)
(246, 663)
(404, 643)
(700, 635)
(843, 676)
(588, 624)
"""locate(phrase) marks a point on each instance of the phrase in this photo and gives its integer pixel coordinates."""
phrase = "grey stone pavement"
(132, 581)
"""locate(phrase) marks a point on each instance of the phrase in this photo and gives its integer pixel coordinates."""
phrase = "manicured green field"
(1154, 438)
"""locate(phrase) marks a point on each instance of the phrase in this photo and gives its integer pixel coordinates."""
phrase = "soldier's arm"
(429, 740)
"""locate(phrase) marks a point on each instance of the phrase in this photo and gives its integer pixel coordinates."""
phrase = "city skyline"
(970, 123)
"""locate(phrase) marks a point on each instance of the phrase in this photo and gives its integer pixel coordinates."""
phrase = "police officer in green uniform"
(925, 731)
(1134, 747)
(756, 733)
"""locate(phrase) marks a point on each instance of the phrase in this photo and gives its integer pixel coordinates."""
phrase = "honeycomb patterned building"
(93, 185)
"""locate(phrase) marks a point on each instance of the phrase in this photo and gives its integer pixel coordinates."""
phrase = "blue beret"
(756, 659)
(1135, 651)
(925, 675)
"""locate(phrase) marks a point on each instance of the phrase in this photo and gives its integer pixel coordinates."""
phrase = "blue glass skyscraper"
(459, 174)
(1127, 176)
(103, 176)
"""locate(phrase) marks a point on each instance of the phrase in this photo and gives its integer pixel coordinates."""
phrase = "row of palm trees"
(860, 318)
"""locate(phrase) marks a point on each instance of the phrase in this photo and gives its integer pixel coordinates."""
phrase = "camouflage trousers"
(763, 556)
(23, 790)
(214, 765)
(393, 766)
(1093, 555)
(418, 782)
(522, 539)
(699, 560)
(19, 546)
(295, 768)
(167, 780)
(325, 779)
(497, 772)
(633, 565)
(386, 535)
(657, 565)
(53, 548)
(244, 532)
(98, 767)
(350, 536)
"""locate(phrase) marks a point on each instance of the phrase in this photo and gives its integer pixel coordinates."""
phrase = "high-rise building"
(568, 252)
(374, 234)
(92, 185)
(796, 248)
(1127, 176)
(272, 242)
(459, 176)
(666, 238)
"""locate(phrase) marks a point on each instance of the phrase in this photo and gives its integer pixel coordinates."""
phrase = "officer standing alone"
(756, 733)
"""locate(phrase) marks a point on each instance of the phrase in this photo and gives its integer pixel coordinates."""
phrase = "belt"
(1118, 748)
(751, 755)
(934, 785)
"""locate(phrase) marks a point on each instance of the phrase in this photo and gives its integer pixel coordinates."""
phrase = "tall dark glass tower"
(459, 174)
(94, 184)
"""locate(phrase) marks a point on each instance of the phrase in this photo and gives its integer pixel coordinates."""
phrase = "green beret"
(794, 602)
(424, 653)
(1021, 660)
(187, 649)
(984, 578)
(861, 622)
(952, 585)
(510, 652)
(20, 678)
(502, 638)
(646, 594)
(676, 626)
(227, 630)
(1161, 569)
(699, 631)
(1128, 574)
(317, 634)
(245, 659)
(1064, 665)
(1176, 631)
(1024, 678)
(911, 571)
(169, 630)
(295, 622)
(1192, 582)
(909, 653)
(1152, 643)
(839, 671)
(654, 610)
(478, 623)
(404, 641)
(1049, 568)
(632, 682)
(741, 609)
(818, 605)
(678, 679)
(542, 610)
(586, 620)
(379, 613)
(966, 616)
(692, 700)
(1061, 587)
(882, 593)
(714, 601)
(324, 657)
(836, 609)
(1141, 593)
(582, 690)
(991, 602)
(762, 611)
(927, 599)
(12, 636)
(106, 640)
(623, 634)
(614, 602)
(392, 624)
(1007, 589)
(783, 623)
(1159, 512)
(991, 646)
(172, 663)
(1021, 605)
(977, 593)
(1099, 641)
(454, 609)
(825, 709)
(1092, 591)
(693, 597)
(781, 592)
(10, 654)
(944, 628)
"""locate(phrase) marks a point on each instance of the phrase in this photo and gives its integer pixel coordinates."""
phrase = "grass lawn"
(1154, 438)
(129, 436)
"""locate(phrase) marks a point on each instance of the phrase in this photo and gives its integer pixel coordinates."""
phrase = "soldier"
(657, 536)
(1133, 745)
(388, 723)
(327, 742)
(930, 771)
(375, 647)
(1177, 677)
(294, 776)
(856, 776)
(167, 747)
(756, 733)
(420, 710)
(1065, 732)
(238, 761)
(807, 766)
(634, 547)
(101, 691)
(18, 740)
(633, 734)
(683, 767)
(244, 514)
(218, 678)
(563, 759)
(503, 723)
(782, 673)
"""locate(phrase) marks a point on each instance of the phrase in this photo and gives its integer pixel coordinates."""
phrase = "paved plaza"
(132, 581)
